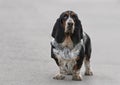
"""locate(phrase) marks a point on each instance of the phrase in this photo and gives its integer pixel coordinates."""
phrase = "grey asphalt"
(25, 28)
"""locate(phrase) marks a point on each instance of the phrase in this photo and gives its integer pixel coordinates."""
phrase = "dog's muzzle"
(70, 26)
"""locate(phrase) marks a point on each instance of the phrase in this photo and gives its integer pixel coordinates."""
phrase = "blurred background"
(25, 35)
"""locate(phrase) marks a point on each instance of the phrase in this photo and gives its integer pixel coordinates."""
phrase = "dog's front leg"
(76, 75)
(60, 75)
(76, 69)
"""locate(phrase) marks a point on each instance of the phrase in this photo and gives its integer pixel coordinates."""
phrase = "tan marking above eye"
(67, 13)
(73, 15)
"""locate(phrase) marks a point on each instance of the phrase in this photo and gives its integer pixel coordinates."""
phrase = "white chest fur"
(66, 55)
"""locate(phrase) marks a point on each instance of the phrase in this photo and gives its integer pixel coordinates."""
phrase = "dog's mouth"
(69, 30)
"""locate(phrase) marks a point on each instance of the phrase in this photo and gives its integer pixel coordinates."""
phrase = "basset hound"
(70, 46)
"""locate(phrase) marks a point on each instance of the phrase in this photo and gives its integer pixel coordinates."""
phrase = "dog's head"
(67, 24)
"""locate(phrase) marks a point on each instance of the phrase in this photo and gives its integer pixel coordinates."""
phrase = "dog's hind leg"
(87, 55)
(88, 71)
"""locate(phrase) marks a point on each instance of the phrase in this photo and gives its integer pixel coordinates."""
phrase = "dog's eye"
(73, 16)
(65, 16)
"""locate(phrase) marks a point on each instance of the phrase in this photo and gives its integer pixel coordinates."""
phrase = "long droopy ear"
(58, 31)
(78, 26)
(78, 32)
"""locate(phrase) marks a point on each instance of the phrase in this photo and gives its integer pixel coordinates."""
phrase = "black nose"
(70, 24)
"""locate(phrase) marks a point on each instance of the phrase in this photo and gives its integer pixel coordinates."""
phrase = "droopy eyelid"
(65, 16)
(74, 16)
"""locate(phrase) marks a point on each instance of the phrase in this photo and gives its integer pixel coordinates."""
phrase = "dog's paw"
(59, 77)
(77, 78)
(88, 73)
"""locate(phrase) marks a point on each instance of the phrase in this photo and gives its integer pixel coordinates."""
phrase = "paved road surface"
(25, 27)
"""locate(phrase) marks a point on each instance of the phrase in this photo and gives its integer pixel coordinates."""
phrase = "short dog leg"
(59, 76)
(76, 76)
(88, 71)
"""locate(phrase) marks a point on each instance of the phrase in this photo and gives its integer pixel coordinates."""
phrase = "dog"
(70, 46)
